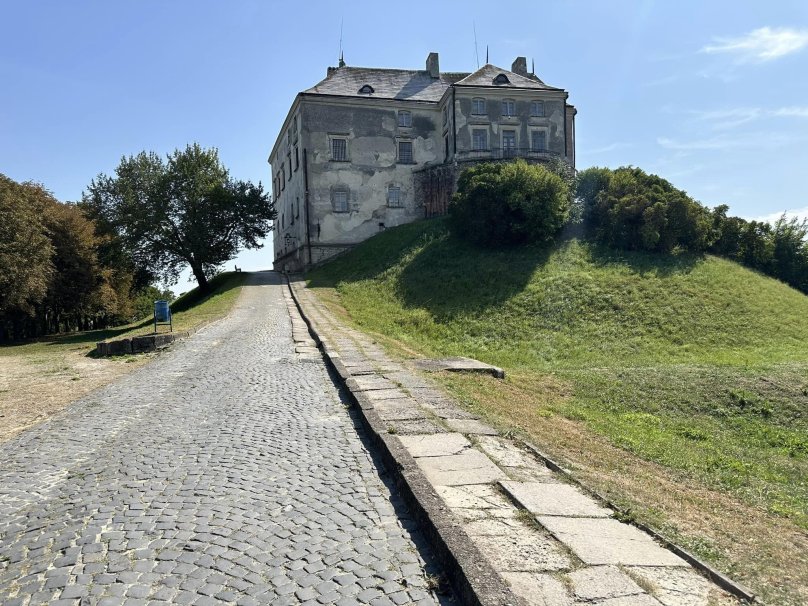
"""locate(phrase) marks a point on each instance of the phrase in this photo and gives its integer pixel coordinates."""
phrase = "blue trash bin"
(162, 314)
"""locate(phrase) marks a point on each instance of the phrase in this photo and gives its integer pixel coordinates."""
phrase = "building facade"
(366, 148)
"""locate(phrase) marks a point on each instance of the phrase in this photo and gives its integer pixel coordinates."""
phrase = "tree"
(501, 204)
(25, 250)
(184, 210)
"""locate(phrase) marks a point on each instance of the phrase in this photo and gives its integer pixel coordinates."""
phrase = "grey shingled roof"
(412, 85)
(486, 74)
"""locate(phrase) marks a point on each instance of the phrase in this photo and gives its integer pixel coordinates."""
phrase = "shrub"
(630, 209)
(509, 203)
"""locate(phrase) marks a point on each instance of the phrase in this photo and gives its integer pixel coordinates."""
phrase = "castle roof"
(401, 84)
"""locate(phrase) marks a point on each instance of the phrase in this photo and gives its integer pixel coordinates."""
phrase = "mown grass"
(694, 364)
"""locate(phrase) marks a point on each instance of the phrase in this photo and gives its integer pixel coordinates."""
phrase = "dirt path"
(39, 380)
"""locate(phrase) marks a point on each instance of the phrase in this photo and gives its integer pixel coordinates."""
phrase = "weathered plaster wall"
(522, 123)
(372, 133)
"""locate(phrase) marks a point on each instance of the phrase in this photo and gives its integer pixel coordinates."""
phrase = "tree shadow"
(644, 263)
(450, 277)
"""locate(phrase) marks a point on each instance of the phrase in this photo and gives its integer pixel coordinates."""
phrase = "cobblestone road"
(227, 471)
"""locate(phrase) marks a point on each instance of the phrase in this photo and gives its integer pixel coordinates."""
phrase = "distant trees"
(184, 210)
(502, 204)
(630, 209)
(51, 278)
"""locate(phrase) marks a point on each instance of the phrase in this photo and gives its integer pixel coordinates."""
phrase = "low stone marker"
(459, 364)
(141, 344)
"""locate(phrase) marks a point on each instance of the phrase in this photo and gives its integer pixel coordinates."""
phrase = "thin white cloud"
(799, 213)
(766, 140)
(789, 112)
(761, 45)
(726, 119)
(607, 148)
(723, 119)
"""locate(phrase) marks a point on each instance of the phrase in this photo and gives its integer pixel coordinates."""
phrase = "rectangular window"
(339, 150)
(508, 107)
(297, 159)
(405, 152)
(479, 139)
(445, 115)
(404, 118)
(537, 109)
(394, 197)
(283, 177)
(340, 201)
(478, 106)
(297, 208)
(508, 143)
(289, 158)
(538, 141)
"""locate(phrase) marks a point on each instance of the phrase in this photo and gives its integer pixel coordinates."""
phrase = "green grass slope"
(695, 363)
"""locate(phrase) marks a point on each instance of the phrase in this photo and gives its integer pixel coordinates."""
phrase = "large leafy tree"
(185, 210)
(25, 250)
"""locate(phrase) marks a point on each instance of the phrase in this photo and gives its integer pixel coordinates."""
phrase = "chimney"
(520, 66)
(432, 65)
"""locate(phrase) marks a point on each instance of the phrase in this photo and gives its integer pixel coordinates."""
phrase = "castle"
(371, 148)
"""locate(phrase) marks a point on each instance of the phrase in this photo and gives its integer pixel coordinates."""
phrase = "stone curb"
(717, 577)
(473, 579)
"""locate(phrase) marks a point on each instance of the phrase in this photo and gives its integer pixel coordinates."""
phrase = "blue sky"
(710, 95)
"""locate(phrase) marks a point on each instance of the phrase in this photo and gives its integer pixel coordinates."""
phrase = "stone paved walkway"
(552, 544)
(227, 471)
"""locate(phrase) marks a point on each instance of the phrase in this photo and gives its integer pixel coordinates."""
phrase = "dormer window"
(501, 79)
(367, 89)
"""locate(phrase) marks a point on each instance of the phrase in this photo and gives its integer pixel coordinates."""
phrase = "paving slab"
(398, 410)
(470, 426)
(435, 445)
(506, 453)
(414, 427)
(600, 582)
(369, 383)
(384, 394)
(494, 526)
(468, 467)
(474, 497)
(523, 552)
(598, 541)
(679, 586)
(554, 499)
(538, 589)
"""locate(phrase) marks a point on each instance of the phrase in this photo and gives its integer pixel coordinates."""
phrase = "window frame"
(341, 191)
(399, 200)
(533, 133)
(506, 105)
(537, 103)
(332, 140)
(475, 101)
(509, 152)
(474, 133)
(399, 157)
(407, 116)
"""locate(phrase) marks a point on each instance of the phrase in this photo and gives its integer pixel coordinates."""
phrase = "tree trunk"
(199, 274)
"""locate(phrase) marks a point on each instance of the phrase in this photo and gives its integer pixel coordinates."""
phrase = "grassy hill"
(693, 369)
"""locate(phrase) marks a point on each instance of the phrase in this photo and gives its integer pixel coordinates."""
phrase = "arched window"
(404, 118)
(501, 79)
(367, 89)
